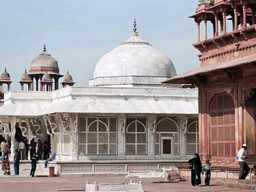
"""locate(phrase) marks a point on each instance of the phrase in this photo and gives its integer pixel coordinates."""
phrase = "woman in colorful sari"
(5, 161)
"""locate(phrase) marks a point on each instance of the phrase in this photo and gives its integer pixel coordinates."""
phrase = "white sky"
(78, 32)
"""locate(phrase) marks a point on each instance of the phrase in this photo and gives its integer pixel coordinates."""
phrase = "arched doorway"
(167, 137)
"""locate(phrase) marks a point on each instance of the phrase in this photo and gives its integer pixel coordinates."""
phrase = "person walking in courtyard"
(16, 162)
(34, 159)
(241, 156)
(207, 172)
(196, 170)
(5, 160)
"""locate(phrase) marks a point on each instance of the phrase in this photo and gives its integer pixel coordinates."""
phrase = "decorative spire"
(44, 50)
(135, 28)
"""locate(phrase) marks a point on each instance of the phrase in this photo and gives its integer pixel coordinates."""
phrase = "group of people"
(38, 151)
(43, 149)
(197, 169)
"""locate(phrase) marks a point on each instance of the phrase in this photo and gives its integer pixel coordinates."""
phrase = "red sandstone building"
(226, 31)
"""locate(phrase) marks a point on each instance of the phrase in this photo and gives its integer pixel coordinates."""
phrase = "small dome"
(68, 78)
(46, 78)
(25, 77)
(44, 62)
(134, 62)
(5, 75)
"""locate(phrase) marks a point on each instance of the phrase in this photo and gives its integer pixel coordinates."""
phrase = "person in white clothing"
(22, 149)
(241, 156)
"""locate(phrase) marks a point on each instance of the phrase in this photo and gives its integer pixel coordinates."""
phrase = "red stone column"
(22, 87)
(224, 15)
(235, 19)
(240, 133)
(205, 29)
(244, 16)
(203, 127)
(8, 86)
(216, 25)
(253, 15)
(30, 86)
(198, 30)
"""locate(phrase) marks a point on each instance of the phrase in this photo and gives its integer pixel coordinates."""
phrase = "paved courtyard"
(77, 183)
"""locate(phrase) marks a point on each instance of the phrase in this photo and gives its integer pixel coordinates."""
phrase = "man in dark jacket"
(34, 159)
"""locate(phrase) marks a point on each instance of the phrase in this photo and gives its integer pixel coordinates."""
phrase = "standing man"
(34, 159)
(241, 156)
(16, 162)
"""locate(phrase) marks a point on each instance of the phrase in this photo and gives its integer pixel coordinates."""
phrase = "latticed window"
(192, 137)
(136, 136)
(166, 136)
(222, 126)
(97, 136)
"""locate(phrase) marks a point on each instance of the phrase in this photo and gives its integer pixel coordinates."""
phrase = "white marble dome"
(133, 63)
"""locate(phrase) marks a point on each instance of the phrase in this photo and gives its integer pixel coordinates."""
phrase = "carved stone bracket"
(36, 126)
(5, 126)
(224, 41)
(68, 122)
(184, 124)
(216, 43)
(244, 35)
(24, 126)
(250, 94)
(122, 120)
(204, 46)
(230, 74)
(51, 123)
(152, 120)
(235, 37)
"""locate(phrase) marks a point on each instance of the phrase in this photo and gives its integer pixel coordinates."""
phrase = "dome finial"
(135, 28)
(44, 48)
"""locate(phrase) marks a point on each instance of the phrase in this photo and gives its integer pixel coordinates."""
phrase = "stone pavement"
(24, 183)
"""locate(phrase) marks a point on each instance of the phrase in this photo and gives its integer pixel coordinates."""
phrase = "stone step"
(25, 167)
(246, 184)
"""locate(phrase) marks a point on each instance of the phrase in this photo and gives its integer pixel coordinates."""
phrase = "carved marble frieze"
(146, 167)
(76, 168)
(109, 168)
